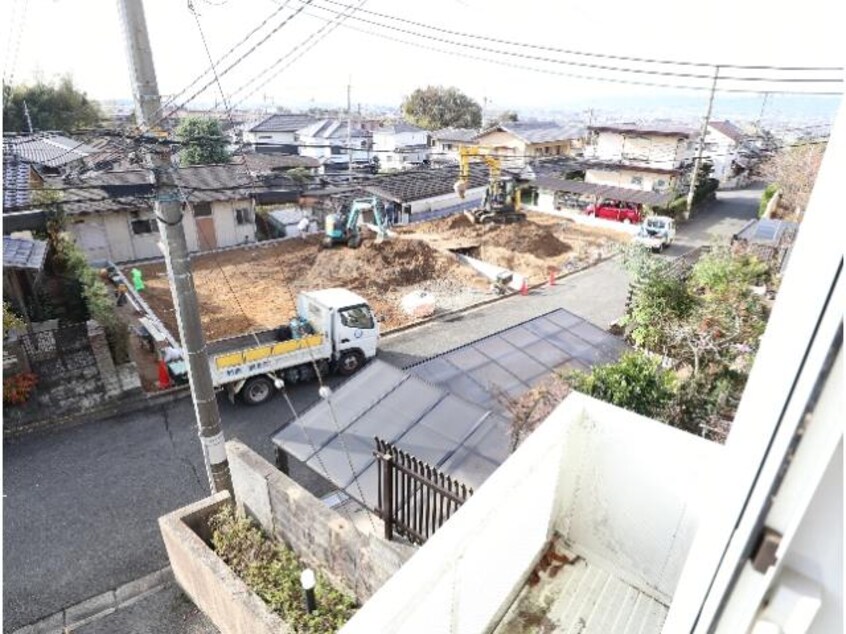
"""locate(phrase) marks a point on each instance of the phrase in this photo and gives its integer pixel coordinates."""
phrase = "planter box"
(205, 577)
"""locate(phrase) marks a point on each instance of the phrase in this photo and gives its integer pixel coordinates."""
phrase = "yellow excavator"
(501, 203)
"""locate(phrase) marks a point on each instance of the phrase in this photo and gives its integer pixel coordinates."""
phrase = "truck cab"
(347, 321)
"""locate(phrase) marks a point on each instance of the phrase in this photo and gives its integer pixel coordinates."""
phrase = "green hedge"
(769, 192)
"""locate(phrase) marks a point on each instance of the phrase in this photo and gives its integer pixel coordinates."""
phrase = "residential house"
(425, 194)
(523, 140)
(400, 146)
(327, 140)
(650, 157)
(20, 180)
(444, 143)
(111, 214)
(725, 149)
(277, 130)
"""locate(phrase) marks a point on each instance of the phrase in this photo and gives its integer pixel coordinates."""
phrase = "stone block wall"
(356, 562)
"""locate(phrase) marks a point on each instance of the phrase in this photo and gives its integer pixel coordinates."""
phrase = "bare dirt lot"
(253, 288)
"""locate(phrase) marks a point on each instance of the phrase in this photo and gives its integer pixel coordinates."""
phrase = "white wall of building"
(447, 200)
(658, 151)
(280, 138)
(632, 179)
(622, 488)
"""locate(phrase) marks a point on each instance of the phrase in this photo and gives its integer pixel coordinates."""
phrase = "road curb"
(486, 302)
(108, 410)
(101, 605)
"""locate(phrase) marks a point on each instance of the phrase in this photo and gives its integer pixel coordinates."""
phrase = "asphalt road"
(80, 504)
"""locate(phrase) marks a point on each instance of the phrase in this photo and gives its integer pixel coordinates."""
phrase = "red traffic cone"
(524, 290)
(164, 375)
(552, 277)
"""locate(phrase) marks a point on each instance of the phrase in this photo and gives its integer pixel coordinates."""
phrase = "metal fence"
(414, 498)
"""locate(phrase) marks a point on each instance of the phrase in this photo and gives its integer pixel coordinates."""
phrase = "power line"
(224, 56)
(319, 34)
(18, 36)
(568, 74)
(591, 54)
(650, 72)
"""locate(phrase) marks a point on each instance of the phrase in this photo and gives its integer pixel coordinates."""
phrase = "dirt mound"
(379, 267)
(527, 237)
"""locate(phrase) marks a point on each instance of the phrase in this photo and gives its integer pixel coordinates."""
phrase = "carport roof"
(604, 191)
(444, 411)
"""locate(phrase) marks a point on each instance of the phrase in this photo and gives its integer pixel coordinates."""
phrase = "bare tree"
(531, 408)
(795, 170)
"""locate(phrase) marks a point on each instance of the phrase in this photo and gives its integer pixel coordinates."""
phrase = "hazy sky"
(83, 38)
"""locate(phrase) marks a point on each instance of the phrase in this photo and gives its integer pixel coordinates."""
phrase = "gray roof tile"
(22, 253)
(46, 148)
(283, 123)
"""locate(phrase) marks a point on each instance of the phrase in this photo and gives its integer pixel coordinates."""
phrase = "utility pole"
(349, 131)
(761, 114)
(168, 210)
(28, 119)
(702, 134)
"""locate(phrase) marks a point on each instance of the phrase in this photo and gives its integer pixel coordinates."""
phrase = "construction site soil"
(254, 287)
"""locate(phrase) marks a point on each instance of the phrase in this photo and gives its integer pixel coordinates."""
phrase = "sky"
(48, 38)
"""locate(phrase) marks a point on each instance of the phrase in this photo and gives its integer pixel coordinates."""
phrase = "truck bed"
(242, 342)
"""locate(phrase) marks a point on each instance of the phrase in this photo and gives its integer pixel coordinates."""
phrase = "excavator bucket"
(460, 188)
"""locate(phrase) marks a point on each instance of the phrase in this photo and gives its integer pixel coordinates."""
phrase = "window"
(244, 216)
(356, 317)
(546, 150)
(637, 180)
(264, 136)
(202, 210)
(145, 226)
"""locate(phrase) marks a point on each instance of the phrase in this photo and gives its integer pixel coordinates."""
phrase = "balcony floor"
(581, 597)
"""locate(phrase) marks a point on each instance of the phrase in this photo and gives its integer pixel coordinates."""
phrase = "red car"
(617, 210)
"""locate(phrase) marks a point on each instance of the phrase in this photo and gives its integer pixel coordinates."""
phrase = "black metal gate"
(414, 498)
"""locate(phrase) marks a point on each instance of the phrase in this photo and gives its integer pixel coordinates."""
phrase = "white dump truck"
(334, 330)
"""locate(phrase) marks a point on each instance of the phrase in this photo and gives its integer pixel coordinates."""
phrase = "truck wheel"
(257, 390)
(349, 363)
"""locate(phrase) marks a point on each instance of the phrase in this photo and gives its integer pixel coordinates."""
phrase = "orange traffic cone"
(524, 290)
(552, 276)
(164, 375)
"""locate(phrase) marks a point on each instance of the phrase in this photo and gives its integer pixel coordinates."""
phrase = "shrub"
(18, 388)
(98, 299)
(272, 571)
(769, 192)
(635, 382)
(11, 321)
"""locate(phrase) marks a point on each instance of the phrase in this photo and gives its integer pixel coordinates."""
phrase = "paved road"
(80, 504)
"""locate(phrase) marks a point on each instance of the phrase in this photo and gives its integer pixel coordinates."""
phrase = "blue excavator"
(345, 228)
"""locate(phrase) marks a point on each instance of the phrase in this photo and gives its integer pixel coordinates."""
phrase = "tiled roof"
(654, 129)
(46, 148)
(261, 162)
(729, 129)
(538, 131)
(15, 183)
(21, 253)
(404, 187)
(283, 123)
(462, 135)
(131, 189)
(330, 129)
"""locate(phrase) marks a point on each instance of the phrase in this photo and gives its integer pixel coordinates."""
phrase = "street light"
(308, 582)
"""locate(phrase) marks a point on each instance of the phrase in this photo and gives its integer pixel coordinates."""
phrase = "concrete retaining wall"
(352, 561)
(214, 588)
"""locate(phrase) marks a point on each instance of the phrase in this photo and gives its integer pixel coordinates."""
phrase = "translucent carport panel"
(468, 467)
(491, 440)
(436, 371)
(454, 418)
(357, 395)
(344, 456)
(564, 318)
(398, 411)
(300, 441)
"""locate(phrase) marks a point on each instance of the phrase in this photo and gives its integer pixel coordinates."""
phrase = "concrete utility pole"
(349, 131)
(28, 119)
(168, 209)
(702, 134)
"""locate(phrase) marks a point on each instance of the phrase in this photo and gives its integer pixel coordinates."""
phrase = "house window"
(558, 150)
(660, 183)
(141, 227)
(264, 136)
(546, 150)
(202, 210)
(244, 216)
(448, 146)
(637, 180)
